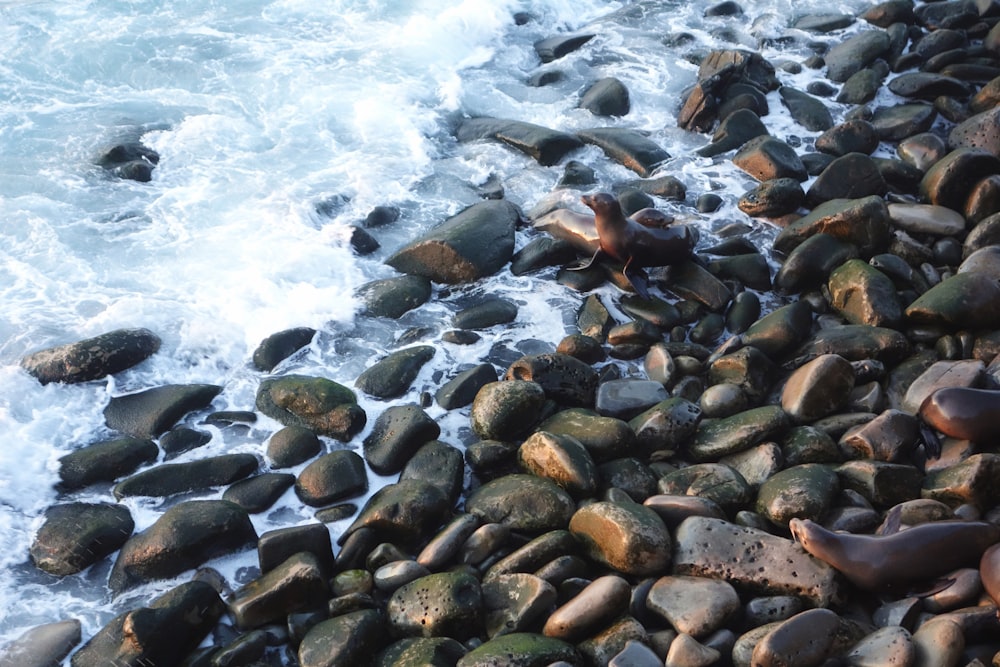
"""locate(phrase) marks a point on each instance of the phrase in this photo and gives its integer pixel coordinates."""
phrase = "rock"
(447, 604)
(666, 425)
(557, 46)
(42, 646)
(962, 373)
(181, 439)
(391, 376)
(628, 147)
(164, 633)
(335, 476)
(392, 297)
(540, 253)
(486, 313)
(438, 464)
(259, 493)
(475, 243)
(922, 150)
(412, 651)
(766, 158)
(862, 222)
(694, 606)
(148, 413)
(978, 132)
(751, 560)
(561, 458)
(803, 491)
(807, 111)
(862, 86)
(928, 86)
(183, 537)
(131, 161)
(818, 388)
(523, 503)
(626, 398)
(315, 403)
(93, 358)
(743, 430)
(773, 198)
(169, 479)
(104, 461)
(926, 219)
(889, 437)
(852, 136)
(564, 379)
(406, 511)
(950, 180)
(806, 639)
(461, 390)
(506, 410)
(546, 146)
(856, 342)
(939, 642)
(606, 97)
(734, 131)
(515, 602)
(966, 300)
(291, 446)
(688, 280)
(685, 650)
(629, 538)
(279, 346)
(605, 438)
(864, 295)
(717, 482)
(973, 481)
(881, 484)
(349, 639)
(396, 435)
(592, 609)
(900, 121)
(295, 584)
(890, 645)
(77, 535)
(811, 262)
(850, 176)
(855, 53)
(519, 649)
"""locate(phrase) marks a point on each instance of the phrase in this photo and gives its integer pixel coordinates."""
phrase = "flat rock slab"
(547, 146)
(172, 478)
(627, 147)
(93, 358)
(751, 560)
(147, 414)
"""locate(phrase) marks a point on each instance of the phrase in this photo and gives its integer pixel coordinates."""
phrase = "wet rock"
(900, 121)
(335, 476)
(561, 458)
(939, 642)
(148, 413)
(606, 97)
(545, 145)
(766, 158)
(716, 482)
(628, 147)
(628, 538)
(181, 439)
(962, 373)
(688, 280)
(889, 437)
(749, 369)
(42, 646)
(591, 610)
(773, 198)
(818, 388)
(296, 584)
(163, 633)
(447, 604)
(966, 300)
(604, 438)
(520, 649)
(279, 346)
(412, 651)
(169, 479)
(93, 358)
(803, 491)
(397, 433)
(523, 503)
(890, 645)
(77, 535)
(978, 132)
(922, 150)
(104, 461)
(855, 53)
(856, 342)
(852, 136)
(928, 86)
(461, 390)
(470, 245)
(851, 176)
(407, 511)
(439, 464)
(277, 546)
(485, 314)
(881, 484)
(862, 222)
(723, 400)
(811, 262)
(391, 376)
(984, 199)
(506, 410)
(515, 602)
(557, 46)
(756, 464)
(750, 270)
(624, 399)
(974, 481)
(582, 347)
(666, 425)
(862, 86)
(735, 130)
(315, 403)
(695, 606)
(806, 639)
(806, 110)
(926, 219)
(349, 639)
(729, 435)
(541, 252)
(949, 181)
(291, 446)
(805, 444)
(751, 560)
(259, 493)
(392, 297)
(564, 379)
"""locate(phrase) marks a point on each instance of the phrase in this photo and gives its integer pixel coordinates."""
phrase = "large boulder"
(77, 535)
(92, 358)
(315, 403)
(148, 413)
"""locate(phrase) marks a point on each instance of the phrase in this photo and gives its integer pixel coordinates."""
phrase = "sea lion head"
(602, 203)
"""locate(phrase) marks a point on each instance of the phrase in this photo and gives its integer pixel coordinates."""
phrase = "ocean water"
(279, 124)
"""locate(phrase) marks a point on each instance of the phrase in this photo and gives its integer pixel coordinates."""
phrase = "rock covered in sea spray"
(316, 403)
(92, 358)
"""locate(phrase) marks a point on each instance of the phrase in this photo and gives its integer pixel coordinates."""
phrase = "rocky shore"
(786, 456)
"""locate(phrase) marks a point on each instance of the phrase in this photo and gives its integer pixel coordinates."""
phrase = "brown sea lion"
(634, 245)
(989, 572)
(878, 562)
(963, 412)
(580, 230)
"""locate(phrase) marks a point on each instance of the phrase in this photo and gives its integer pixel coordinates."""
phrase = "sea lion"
(877, 562)
(989, 572)
(634, 245)
(963, 412)
(580, 229)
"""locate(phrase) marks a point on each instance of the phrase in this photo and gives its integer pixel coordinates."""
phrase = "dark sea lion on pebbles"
(918, 553)
(963, 412)
(633, 244)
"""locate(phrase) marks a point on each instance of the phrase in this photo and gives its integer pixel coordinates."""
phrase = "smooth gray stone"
(335, 476)
(350, 639)
(148, 413)
(315, 403)
(446, 604)
(279, 346)
(259, 493)
(393, 297)
(391, 376)
(855, 53)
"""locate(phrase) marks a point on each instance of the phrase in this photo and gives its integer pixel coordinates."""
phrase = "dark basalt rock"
(77, 535)
(476, 242)
(131, 161)
(863, 85)
(855, 53)
(164, 633)
(966, 300)
(396, 435)
(627, 147)
(185, 536)
(950, 180)
(773, 198)
(766, 158)
(979, 132)
(315, 403)
(104, 461)
(557, 46)
(349, 639)
(181, 439)
(521, 649)
(92, 358)
(392, 376)
(406, 511)
(606, 97)
(564, 379)
(429, 651)
(335, 476)
(291, 446)
(852, 136)
(148, 413)
(524, 503)
(446, 604)
(886, 13)
(485, 314)
(735, 130)
(541, 252)
(279, 346)
(856, 342)
(807, 111)
(461, 390)
(439, 464)
(851, 176)
(904, 120)
(170, 479)
(42, 646)
(506, 410)
(392, 297)
(362, 242)
(259, 493)
(928, 86)
(546, 146)
(823, 23)
(294, 584)
(861, 222)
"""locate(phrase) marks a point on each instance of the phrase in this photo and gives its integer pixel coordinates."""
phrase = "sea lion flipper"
(932, 444)
(599, 254)
(637, 278)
